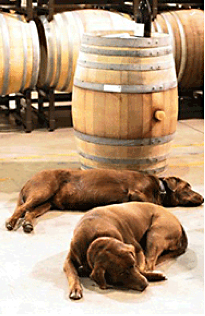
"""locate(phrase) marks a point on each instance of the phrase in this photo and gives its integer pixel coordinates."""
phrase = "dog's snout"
(142, 287)
(141, 284)
(201, 198)
(197, 199)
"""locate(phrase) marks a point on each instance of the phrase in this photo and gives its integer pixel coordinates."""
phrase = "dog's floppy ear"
(97, 260)
(96, 248)
(170, 183)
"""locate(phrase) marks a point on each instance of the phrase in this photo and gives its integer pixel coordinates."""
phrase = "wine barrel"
(60, 43)
(124, 103)
(20, 54)
(186, 29)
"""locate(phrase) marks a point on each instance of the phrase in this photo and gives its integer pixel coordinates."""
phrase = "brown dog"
(106, 245)
(77, 189)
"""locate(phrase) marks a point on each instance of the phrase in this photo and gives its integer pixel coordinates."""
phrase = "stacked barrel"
(60, 42)
(20, 54)
(45, 53)
(186, 29)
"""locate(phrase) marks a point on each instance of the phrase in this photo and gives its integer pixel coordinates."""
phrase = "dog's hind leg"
(149, 275)
(30, 201)
(19, 212)
(31, 215)
(21, 209)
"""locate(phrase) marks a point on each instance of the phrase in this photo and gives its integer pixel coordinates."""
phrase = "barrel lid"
(125, 39)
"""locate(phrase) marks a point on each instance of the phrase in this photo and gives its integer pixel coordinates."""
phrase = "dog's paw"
(27, 227)
(159, 276)
(10, 224)
(76, 294)
(103, 287)
(154, 276)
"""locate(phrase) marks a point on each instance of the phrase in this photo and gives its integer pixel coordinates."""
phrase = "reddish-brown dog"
(77, 189)
(120, 244)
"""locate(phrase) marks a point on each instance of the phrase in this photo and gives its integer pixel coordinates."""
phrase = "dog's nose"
(142, 287)
(198, 199)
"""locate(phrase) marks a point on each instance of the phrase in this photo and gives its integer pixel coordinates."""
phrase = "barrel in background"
(125, 102)
(20, 54)
(60, 43)
(186, 29)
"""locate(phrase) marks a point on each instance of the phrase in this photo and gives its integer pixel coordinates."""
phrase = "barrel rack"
(24, 103)
(32, 8)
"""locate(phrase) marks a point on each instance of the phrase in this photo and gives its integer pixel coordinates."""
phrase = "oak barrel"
(20, 54)
(60, 42)
(186, 29)
(125, 101)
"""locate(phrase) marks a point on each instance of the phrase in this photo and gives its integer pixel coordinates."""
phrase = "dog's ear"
(170, 183)
(95, 249)
(97, 260)
(131, 249)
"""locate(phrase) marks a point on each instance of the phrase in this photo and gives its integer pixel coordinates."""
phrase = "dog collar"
(162, 187)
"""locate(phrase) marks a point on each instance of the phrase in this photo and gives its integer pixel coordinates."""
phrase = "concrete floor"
(31, 274)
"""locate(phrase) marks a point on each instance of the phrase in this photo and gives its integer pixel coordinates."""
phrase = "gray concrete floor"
(31, 274)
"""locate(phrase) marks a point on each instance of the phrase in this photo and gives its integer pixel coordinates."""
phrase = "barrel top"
(125, 39)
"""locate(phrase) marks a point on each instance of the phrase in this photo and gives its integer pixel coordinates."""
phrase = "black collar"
(162, 189)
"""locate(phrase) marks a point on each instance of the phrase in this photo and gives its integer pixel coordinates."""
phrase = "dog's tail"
(181, 248)
(183, 243)
(22, 198)
(21, 201)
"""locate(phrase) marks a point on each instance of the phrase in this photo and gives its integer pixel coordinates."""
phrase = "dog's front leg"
(149, 275)
(76, 291)
(138, 196)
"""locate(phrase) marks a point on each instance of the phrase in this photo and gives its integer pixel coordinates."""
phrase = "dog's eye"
(132, 254)
(131, 266)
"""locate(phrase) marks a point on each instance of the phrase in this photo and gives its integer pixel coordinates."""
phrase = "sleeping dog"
(68, 189)
(120, 245)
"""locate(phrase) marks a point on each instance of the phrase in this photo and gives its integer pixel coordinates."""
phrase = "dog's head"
(179, 192)
(115, 263)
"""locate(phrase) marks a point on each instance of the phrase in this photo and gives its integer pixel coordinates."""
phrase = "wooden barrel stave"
(186, 29)
(149, 158)
(66, 30)
(20, 51)
(122, 122)
(119, 128)
(61, 40)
